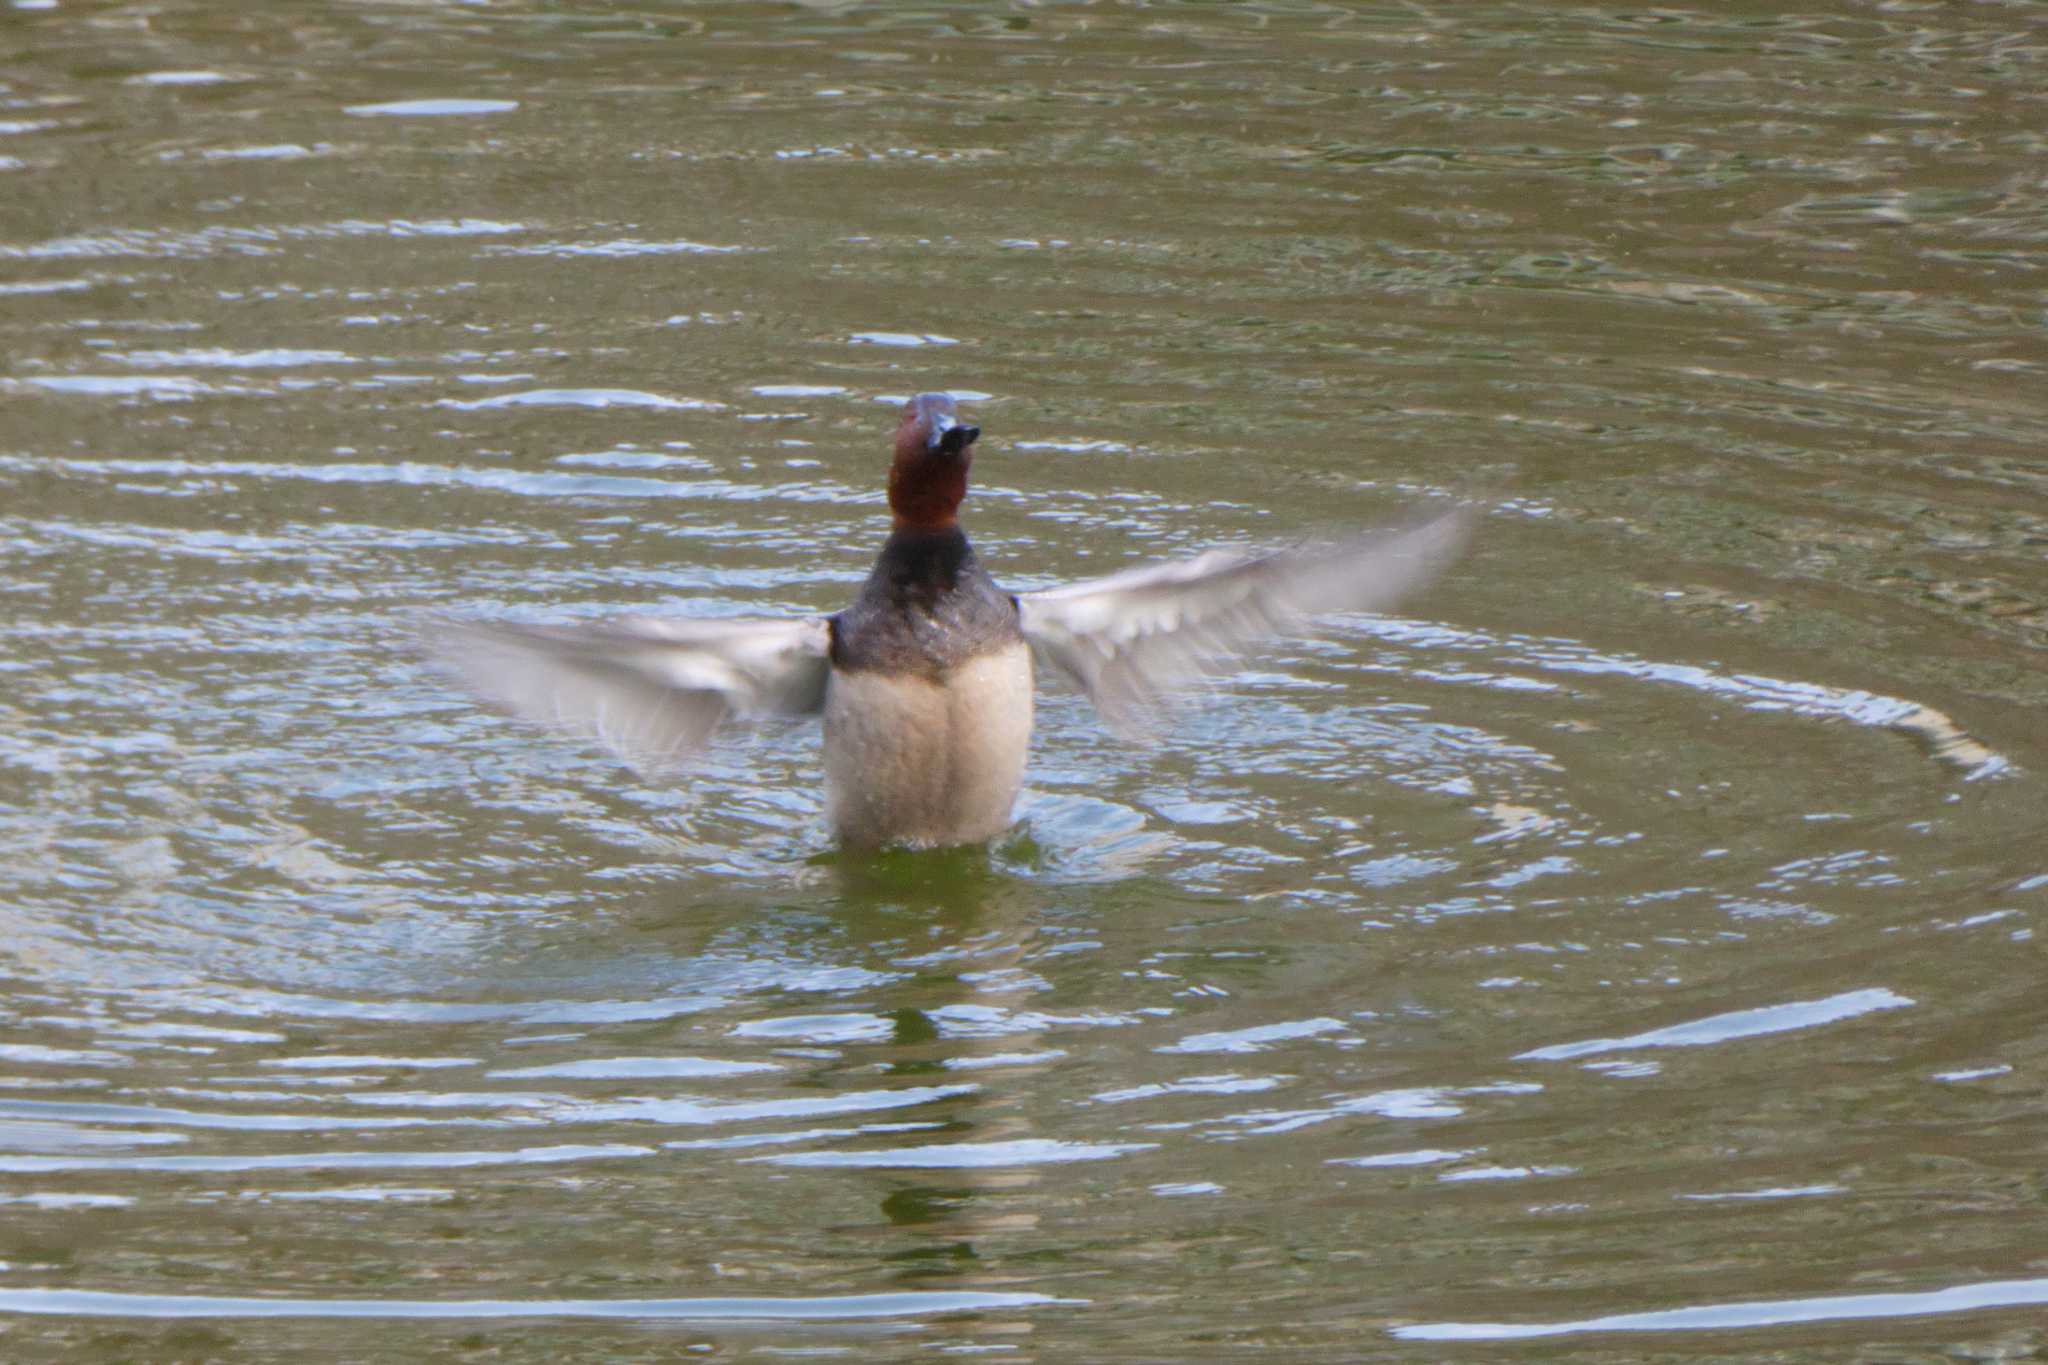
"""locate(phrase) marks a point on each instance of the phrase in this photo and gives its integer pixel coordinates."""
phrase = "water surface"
(1629, 950)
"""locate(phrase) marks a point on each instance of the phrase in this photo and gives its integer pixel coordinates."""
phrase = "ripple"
(581, 398)
(1779, 1192)
(1074, 447)
(246, 241)
(1256, 1039)
(617, 248)
(165, 388)
(35, 1054)
(266, 358)
(269, 151)
(1762, 1313)
(17, 1136)
(275, 1004)
(633, 459)
(618, 1068)
(1722, 1028)
(1421, 1156)
(536, 484)
(432, 108)
(909, 1303)
(1940, 734)
(205, 1033)
(990, 1021)
(742, 1140)
(45, 286)
(678, 1111)
(333, 1061)
(69, 1201)
(360, 1194)
(819, 1028)
(182, 78)
(1228, 1084)
(185, 1118)
(329, 1161)
(962, 1155)
(1003, 1059)
(901, 339)
(1417, 1102)
(1503, 1173)
(1944, 738)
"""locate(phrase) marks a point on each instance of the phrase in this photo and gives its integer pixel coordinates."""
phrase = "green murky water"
(1631, 947)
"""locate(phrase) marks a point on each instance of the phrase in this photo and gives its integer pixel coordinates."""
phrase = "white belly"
(923, 763)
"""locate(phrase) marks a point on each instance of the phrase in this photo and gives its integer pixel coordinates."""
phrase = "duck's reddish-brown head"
(929, 476)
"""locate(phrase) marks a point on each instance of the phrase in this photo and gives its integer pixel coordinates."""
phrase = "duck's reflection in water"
(954, 1200)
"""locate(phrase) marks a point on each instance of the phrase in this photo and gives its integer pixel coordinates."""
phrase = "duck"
(925, 682)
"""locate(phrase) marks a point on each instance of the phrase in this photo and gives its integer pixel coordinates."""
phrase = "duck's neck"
(925, 493)
(924, 559)
(927, 523)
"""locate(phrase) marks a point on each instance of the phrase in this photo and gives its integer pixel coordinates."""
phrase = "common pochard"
(925, 681)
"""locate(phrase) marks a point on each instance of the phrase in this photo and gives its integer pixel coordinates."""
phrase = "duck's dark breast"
(927, 609)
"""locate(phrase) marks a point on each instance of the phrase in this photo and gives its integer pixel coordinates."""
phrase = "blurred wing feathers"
(648, 689)
(1133, 638)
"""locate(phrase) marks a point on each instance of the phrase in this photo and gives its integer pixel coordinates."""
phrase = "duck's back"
(928, 710)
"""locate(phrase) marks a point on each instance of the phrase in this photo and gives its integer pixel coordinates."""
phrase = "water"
(1629, 950)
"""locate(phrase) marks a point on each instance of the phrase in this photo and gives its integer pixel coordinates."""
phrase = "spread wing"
(1133, 638)
(650, 690)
